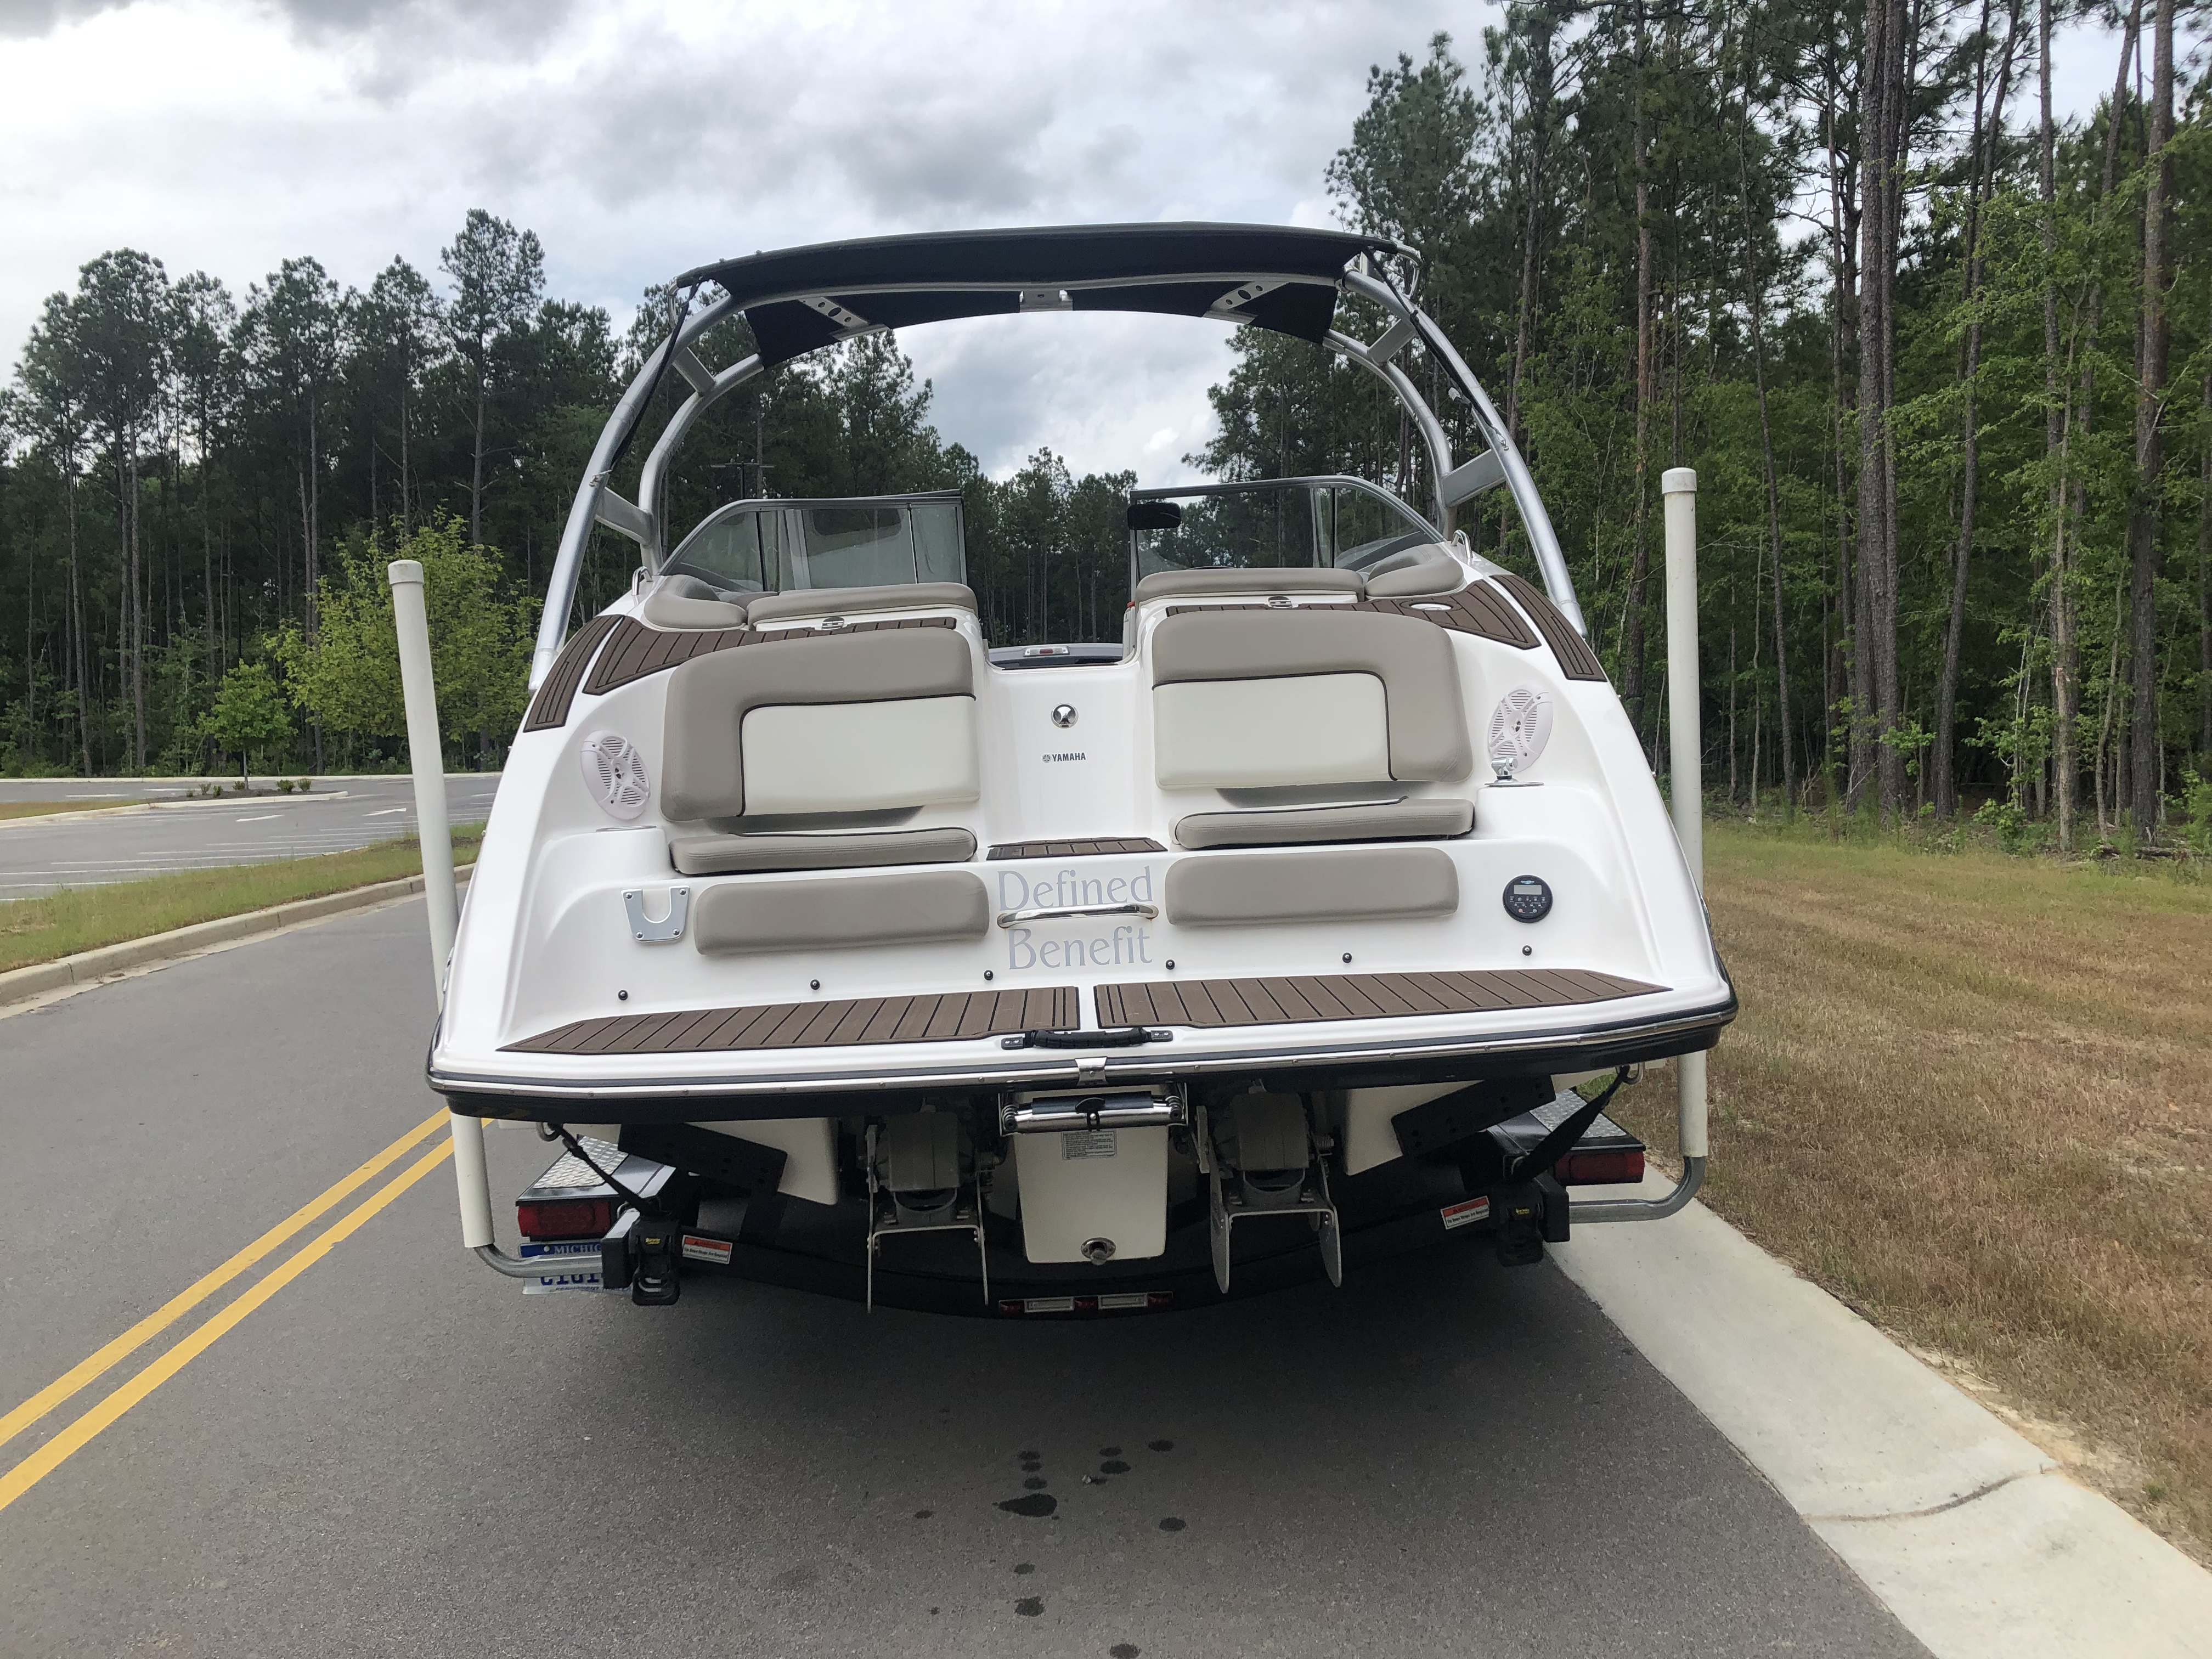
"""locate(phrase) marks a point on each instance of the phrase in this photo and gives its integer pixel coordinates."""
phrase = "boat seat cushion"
(1247, 583)
(806, 604)
(1378, 883)
(1428, 819)
(685, 602)
(1257, 698)
(729, 855)
(928, 907)
(828, 723)
(1439, 574)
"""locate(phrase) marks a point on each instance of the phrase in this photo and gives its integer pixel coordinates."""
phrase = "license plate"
(567, 1268)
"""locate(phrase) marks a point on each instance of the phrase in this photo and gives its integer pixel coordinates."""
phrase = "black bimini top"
(1274, 277)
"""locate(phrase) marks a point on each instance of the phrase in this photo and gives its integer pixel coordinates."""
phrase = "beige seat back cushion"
(1253, 734)
(1426, 740)
(704, 767)
(1373, 883)
(1247, 583)
(808, 602)
(932, 907)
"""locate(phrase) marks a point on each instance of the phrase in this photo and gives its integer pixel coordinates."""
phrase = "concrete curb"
(1967, 1531)
(90, 967)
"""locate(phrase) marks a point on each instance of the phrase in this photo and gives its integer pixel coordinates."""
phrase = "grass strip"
(1967, 1095)
(85, 918)
(38, 809)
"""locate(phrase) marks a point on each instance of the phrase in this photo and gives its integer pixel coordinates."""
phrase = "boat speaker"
(614, 772)
(1520, 726)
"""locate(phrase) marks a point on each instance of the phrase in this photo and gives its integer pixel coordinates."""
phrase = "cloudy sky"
(640, 138)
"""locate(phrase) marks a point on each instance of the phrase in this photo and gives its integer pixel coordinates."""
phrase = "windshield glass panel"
(1295, 526)
(767, 547)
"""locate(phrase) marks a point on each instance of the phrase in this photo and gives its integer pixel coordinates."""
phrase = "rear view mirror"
(1155, 515)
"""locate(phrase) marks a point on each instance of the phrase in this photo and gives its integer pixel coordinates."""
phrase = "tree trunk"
(476, 469)
(1756, 295)
(1881, 97)
(2150, 398)
(80, 647)
(1639, 567)
(1981, 185)
(135, 606)
(2065, 668)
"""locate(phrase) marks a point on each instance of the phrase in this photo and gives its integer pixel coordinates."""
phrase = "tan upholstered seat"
(685, 602)
(741, 854)
(808, 603)
(1426, 817)
(1370, 883)
(827, 734)
(930, 906)
(1425, 577)
(1247, 584)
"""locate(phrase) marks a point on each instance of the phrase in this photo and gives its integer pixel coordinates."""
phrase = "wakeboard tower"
(842, 948)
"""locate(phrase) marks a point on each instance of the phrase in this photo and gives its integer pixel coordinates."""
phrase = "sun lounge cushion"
(808, 603)
(1379, 884)
(1428, 819)
(933, 907)
(1247, 584)
(728, 855)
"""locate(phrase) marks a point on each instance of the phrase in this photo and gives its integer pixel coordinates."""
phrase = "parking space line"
(192, 1295)
(80, 1433)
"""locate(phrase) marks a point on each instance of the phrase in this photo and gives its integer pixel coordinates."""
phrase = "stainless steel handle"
(1093, 1112)
(1014, 918)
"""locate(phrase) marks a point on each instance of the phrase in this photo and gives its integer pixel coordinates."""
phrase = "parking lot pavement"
(338, 814)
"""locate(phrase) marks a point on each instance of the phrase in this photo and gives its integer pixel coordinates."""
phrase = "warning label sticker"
(1087, 1143)
(707, 1249)
(1472, 1209)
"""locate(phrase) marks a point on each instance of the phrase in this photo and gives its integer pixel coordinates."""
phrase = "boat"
(1318, 917)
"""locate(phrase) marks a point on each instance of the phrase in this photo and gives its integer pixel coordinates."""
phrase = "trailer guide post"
(410, 621)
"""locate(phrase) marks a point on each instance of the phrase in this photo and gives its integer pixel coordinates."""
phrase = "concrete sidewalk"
(1969, 1534)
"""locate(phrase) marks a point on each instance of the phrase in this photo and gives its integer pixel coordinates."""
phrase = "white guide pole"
(426, 754)
(1677, 489)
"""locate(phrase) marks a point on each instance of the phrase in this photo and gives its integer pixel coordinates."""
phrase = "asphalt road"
(38, 857)
(399, 1452)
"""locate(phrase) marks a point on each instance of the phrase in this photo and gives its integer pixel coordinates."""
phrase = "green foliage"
(250, 714)
(348, 677)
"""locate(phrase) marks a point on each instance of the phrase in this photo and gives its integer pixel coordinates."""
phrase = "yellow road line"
(190, 1297)
(50, 1456)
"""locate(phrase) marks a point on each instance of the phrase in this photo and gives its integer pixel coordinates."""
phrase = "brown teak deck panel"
(829, 1023)
(1076, 849)
(549, 708)
(1476, 609)
(1577, 660)
(1313, 997)
(636, 651)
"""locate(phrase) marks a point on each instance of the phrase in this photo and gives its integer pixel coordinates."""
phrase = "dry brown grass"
(85, 918)
(1969, 1095)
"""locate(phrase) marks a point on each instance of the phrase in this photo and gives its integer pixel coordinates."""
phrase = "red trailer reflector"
(1599, 1168)
(565, 1217)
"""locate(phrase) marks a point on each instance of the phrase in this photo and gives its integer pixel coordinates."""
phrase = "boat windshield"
(783, 546)
(1296, 523)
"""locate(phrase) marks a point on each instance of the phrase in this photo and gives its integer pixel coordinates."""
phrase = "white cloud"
(638, 139)
(642, 137)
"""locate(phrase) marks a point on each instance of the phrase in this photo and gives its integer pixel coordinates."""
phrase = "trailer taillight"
(1599, 1168)
(566, 1218)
